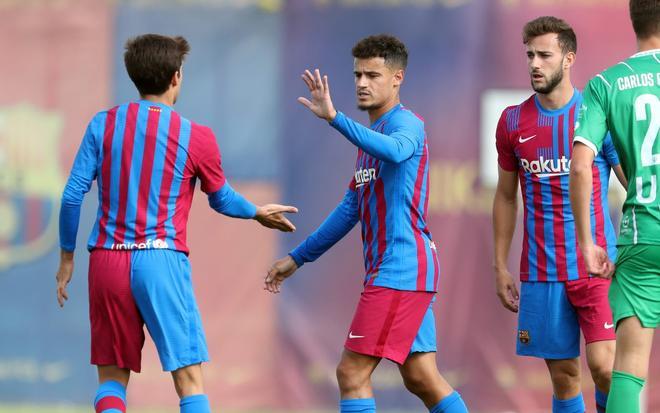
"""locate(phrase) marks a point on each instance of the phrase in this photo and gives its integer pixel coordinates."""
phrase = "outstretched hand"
(320, 103)
(278, 272)
(272, 216)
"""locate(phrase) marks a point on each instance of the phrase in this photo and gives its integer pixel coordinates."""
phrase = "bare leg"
(354, 375)
(421, 377)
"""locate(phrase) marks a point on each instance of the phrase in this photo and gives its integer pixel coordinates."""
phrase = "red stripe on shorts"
(385, 330)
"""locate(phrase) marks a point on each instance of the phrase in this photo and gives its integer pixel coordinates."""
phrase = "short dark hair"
(645, 16)
(383, 45)
(152, 59)
(549, 24)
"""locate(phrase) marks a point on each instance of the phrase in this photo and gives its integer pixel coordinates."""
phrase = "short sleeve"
(506, 157)
(591, 127)
(206, 159)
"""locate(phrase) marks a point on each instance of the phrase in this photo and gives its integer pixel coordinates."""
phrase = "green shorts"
(635, 289)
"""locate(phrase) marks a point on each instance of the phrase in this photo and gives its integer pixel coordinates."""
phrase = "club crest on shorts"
(31, 182)
(523, 336)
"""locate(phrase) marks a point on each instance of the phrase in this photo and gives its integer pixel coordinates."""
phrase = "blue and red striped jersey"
(146, 159)
(537, 143)
(389, 195)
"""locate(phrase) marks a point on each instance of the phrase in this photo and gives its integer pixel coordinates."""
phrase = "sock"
(198, 403)
(450, 404)
(110, 398)
(624, 393)
(357, 406)
(574, 405)
(601, 401)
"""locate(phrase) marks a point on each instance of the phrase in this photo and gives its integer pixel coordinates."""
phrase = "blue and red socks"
(574, 405)
(198, 403)
(601, 401)
(357, 406)
(110, 398)
(450, 404)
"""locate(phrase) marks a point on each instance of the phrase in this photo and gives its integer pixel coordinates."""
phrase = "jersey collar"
(558, 111)
(386, 115)
(646, 53)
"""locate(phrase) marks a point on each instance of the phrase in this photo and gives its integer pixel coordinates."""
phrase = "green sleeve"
(591, 127)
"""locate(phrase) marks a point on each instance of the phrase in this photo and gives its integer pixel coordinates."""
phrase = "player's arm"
(395, 147)
(79, 183)
(222, 197)
(505, 208)
(609, 151)
(589, 138)
(620, 175)
(340, 221)
(580, 187)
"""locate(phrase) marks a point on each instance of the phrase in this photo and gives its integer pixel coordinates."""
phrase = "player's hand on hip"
(272, 216)
(278, 272)
(63, 277)
(319, 102)
(507, 291)
(597, 261)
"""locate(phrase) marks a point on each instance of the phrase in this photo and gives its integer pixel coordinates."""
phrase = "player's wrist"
(332, 114)
(66, 256)
(500, 267)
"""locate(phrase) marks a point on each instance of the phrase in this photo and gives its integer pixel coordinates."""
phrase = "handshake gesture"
(272, 216)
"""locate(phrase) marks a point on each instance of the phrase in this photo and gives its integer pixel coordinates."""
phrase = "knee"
(602, 375)
(350, 378)
(417, 384)
(188, 381)
(565, 378)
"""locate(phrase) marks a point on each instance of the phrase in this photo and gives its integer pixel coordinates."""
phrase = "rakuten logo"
(155, 244)
(547, 167)
(364, 176)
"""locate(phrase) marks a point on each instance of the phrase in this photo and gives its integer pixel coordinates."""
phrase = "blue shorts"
(547, 322)
(129, 289)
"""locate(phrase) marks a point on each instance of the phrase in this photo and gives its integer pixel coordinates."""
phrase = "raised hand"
(319, 89)
(507, 290)
(278, 272)
(598, 262)
(272, 216)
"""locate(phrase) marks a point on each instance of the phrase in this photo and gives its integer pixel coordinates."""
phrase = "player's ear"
(569, 60)
(399, 74)
(178, 76)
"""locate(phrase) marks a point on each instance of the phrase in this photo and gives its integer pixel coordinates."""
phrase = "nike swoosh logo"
(608, 326)
(351, 335)
(523, 140)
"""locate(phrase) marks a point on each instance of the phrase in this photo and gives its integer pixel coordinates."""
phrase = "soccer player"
(625, 99)
(388, 194)
(146, 159)
(558, 298)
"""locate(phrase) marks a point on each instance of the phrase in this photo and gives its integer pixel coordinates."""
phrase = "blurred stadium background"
(62, 61)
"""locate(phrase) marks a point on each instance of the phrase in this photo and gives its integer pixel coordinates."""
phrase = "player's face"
(376, 84)
(546, 62)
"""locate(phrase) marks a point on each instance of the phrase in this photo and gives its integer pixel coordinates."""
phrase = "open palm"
(320, 102)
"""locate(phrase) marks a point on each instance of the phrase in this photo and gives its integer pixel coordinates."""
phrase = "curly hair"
(383, 45)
